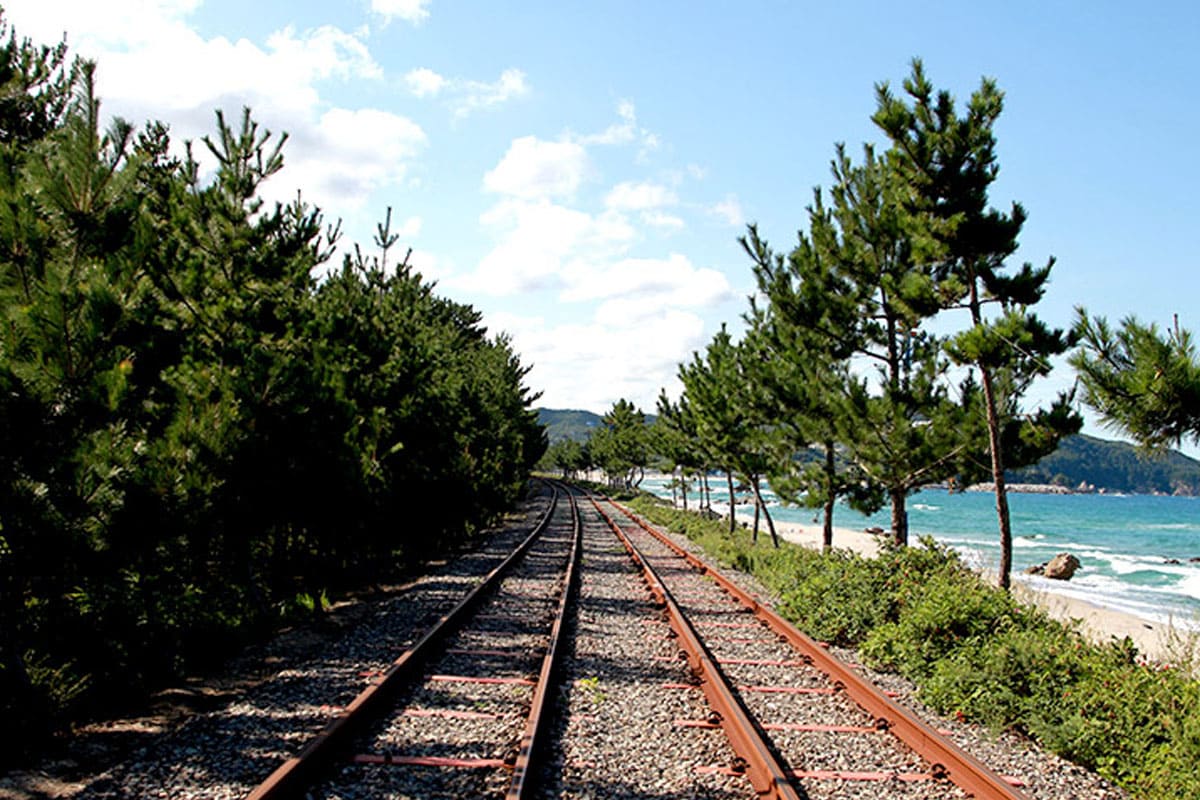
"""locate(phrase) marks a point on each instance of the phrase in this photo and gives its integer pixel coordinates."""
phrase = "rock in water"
(1062, 567)
(1036, 569)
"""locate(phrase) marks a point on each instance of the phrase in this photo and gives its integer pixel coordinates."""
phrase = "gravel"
(616, 731)
(1043, 775)
(226, 752)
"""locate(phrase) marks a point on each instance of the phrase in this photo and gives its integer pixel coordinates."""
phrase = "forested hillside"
(1115, 466)
(574, 425)
(197, 434)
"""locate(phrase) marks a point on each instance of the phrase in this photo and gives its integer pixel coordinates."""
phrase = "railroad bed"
(641, 674)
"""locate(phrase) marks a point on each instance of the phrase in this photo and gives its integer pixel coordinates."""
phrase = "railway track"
(484, 671)
(715, 693)
(801, 722)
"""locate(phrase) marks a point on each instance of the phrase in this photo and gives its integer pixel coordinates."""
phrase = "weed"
(591, 685)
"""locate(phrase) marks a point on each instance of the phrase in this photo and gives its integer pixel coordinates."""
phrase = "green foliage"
(195, 431)
(568, 424)
(978, 655)
(621, 445)
(946, 612)
(1143, 382)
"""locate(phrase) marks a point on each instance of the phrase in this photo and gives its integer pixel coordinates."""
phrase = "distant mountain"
(572, 424)
(1114, 466)
(1080, 460)
(568, 424)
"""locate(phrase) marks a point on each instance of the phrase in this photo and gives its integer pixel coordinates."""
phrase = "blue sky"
(580, 172)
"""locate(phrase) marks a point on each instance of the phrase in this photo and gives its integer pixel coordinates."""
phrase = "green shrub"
(837, 601)
(948, 611)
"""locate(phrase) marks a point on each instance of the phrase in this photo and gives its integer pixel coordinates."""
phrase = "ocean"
(1127, 544)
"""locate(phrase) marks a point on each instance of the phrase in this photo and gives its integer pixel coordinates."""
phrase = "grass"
(976, 653)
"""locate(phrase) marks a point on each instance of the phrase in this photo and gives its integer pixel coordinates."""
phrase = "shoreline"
(1156, 641)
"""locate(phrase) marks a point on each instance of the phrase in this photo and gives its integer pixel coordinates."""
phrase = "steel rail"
(963, 769)
(768, 777)
(540, 713)
(296, 774)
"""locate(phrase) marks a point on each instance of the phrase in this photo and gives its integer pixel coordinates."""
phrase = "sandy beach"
(1154, 640)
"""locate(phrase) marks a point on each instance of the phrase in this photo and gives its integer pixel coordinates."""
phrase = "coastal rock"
(1061, 567)
(1036, 569)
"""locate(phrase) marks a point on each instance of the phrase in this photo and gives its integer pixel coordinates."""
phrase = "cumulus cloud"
(535, 168)
(626, 131)
(475, 96)
(729, 210)
(539, 243)
(349, 155)
(668, 223)
(154, 65)
(465, 97)
(632, 196)
(414, 11)
(672, 281)
(592, 364)
(424, 82)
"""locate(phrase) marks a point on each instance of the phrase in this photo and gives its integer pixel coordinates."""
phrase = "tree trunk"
(766, 513)
(683, 487)
(993, 423)
(732, 503)
(830, 474)
(757, 508)
(899, 499)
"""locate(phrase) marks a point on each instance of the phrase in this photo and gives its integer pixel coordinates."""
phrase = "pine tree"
(1143, 382)
(948, 163)
(806, 378)
(867, 298)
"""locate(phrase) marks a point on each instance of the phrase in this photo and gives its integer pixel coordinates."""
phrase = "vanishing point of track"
(799, 723)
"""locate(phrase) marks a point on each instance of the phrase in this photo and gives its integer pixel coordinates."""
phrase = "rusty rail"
(963, 769)
(530, 751)
(767, 776)
(296, 774)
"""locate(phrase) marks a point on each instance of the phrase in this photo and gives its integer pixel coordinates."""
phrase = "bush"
(949, 611)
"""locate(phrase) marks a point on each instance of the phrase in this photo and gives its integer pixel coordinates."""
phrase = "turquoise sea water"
(1124, 542)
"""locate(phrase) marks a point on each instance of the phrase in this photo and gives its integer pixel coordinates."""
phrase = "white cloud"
(410, 228)
(465, 97)
(626, 131)
(424, 82)
(662, 282)
(729, 210)
(414, 11)
(153, 65)
(663, 221)
(595, 363)
(540, 242)
(534, 168)
(98, 26)
(631, 196)
(349, 155)
(474, 96)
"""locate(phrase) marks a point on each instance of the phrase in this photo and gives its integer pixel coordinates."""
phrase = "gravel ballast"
(624, 692)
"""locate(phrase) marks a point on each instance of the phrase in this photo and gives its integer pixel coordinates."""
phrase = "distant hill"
(568, 424)
(572, 424)
(1115, 466)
